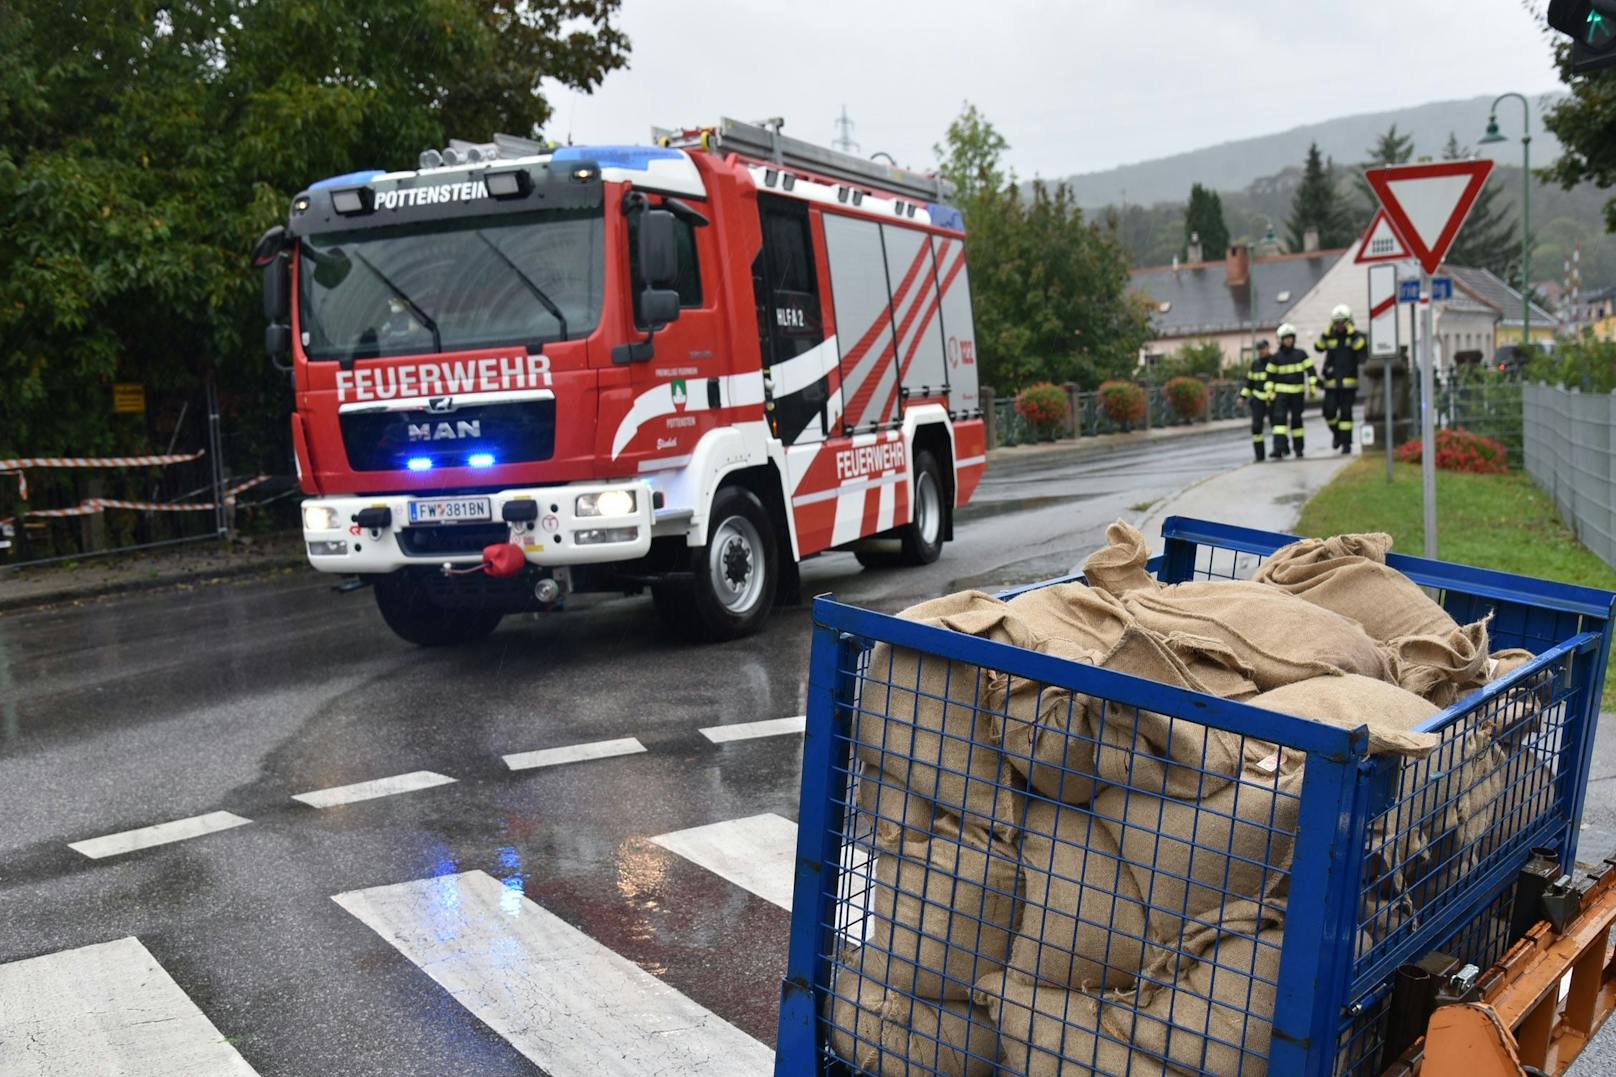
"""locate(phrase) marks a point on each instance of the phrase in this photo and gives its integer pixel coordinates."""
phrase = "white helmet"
(1341, 313)
(1286, 330)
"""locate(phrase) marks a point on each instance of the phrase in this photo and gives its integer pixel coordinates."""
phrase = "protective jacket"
(1290, 371)
(1256, 386)
(1342, 352)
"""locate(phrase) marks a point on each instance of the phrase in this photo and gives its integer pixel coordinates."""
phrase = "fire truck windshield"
(452, 285)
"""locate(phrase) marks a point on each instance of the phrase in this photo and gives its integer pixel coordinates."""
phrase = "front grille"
(451, 538)
(517, 432)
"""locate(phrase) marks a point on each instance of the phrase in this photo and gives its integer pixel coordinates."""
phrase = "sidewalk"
(1109, 442)
(1268, 497)
(196, 564)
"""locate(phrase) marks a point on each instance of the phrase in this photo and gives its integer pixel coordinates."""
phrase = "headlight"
(617, 502)
(605, 535)
(319, 518)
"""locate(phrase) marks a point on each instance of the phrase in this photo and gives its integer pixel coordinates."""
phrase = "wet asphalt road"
(125, 713)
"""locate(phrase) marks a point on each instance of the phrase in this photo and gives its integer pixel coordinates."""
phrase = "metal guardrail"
(1088, 419)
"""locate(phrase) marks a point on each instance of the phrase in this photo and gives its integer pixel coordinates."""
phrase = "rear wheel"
(923, 535)
(734, 576)
(412, 615)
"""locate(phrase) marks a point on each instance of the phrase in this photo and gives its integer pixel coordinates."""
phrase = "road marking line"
(573, 753)
(376, 787)
(567, 1003)
(757, 854)
(773, 727)
(158, 834)
(106, 1008)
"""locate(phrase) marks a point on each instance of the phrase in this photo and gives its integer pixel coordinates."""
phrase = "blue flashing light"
(636, 158)
(481, 459)
(946, 217)
(420, 463)
(351, 179)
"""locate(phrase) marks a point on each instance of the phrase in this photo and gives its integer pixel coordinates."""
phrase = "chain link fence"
(1568, 450)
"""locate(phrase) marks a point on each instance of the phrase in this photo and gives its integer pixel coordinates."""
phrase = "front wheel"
(412, 615)
(734, 576)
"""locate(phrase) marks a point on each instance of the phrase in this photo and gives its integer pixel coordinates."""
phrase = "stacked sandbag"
(941, 911)
(897, 1035)
(1348, 575)
(1280, 638)
(1042, 730)
(1441, 667)
(922, 720)
(1118, 568)
(1074, 612)
(1047, 1031)
(1208, 1005)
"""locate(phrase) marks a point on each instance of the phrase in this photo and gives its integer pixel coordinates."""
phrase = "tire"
(734, 576)
(413, 617)
(923, 536)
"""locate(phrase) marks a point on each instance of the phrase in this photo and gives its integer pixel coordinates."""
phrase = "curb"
(73, 594)
(1106, 443)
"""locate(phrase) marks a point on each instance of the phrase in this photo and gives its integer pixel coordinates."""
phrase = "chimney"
(1310, 240)
(1195, 247)
(1237, 266)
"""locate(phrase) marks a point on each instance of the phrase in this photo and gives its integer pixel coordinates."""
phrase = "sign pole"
(1386, 371)
(1427, 415)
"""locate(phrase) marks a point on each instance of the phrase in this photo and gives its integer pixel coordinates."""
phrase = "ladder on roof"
(763, 142)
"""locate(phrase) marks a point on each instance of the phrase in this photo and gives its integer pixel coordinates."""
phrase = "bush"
(1187, 396)
(1460, 450)
(1124, 402)
(1043, 405)
(1586, 364)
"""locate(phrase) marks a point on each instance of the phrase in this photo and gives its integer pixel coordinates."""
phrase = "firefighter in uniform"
(1255, 394)
(1290, 375)
(1343, 348)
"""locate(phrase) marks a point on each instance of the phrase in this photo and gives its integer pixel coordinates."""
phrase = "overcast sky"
(1074, 85)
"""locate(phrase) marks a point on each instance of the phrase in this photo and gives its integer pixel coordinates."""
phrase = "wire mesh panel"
(1016, 859)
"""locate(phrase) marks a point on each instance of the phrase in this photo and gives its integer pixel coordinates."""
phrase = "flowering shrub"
(1043, 405)
(1124, 402)
(1460, 450)
(1187, 396)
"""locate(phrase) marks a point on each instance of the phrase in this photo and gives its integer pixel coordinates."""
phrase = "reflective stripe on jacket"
(1290, 371)
(1256, 380)
(1341, 352)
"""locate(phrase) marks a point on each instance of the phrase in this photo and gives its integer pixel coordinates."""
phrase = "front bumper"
(557, 536)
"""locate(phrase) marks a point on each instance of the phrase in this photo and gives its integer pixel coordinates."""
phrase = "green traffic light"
(1599, 31)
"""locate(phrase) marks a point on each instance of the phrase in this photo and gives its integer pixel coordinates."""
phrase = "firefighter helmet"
(1341, 313)
(1286, 330)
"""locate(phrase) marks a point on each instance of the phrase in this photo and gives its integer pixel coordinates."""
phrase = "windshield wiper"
(538, 293)
(426, 319)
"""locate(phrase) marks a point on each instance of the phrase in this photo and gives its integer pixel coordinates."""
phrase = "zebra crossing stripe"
(371, 790)
(145, 837)
(106, 1008)
(772, 727)
(757, 853)
(570, 1005)
(573, 753)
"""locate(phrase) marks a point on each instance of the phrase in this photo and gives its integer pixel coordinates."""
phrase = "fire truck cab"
(524, 371)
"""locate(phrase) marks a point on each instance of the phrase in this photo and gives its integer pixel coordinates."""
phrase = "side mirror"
(269, 245)
(659, 307)
(278, 288)
(277, 340)
(659, 253)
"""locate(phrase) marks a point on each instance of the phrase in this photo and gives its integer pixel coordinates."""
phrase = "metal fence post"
(990, 416)
(1071, 409)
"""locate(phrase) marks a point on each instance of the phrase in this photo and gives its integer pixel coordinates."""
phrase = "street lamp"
(1491, 136)
(1268, 240)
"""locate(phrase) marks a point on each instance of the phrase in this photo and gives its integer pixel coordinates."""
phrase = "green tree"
(1317, 204)
(1204, 218)
(1488, 238)
(1583, 123)
(971, 156)
(1391, 148)
(144, 146)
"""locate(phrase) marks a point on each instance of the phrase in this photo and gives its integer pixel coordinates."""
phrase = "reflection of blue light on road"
(510, 902)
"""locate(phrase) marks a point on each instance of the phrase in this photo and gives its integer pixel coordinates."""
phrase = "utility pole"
(844, 134)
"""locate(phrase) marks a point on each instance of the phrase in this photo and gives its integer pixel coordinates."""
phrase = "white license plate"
(450, 510)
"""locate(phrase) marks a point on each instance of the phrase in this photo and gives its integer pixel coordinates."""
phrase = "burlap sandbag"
(892, 812)
(1217, 1015)
(1082, 920)
(1119, 567)
(923, 720)
(855, 1006)
(1075, 612)
(1041, 729)
(896, 1035)
(1279, 637)
(1442, 668)
(1160, 753)
(1507, 661)
(941, 912)
(1349, 701)
(1348, 575)
(1191, 859)
(1049, 1031)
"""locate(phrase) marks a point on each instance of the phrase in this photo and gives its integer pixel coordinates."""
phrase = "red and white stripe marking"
(99, 461)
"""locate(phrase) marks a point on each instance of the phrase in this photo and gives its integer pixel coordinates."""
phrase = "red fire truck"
(524, 371)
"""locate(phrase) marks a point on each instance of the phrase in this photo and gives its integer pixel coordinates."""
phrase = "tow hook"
(350, 585)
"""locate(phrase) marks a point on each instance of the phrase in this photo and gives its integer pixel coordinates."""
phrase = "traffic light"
(1591, 25)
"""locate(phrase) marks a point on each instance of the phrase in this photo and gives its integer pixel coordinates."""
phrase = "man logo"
(472, 428)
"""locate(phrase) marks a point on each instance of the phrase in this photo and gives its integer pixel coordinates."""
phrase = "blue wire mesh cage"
(1015, 862)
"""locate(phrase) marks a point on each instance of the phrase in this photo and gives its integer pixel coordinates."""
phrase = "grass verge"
(1501, 522)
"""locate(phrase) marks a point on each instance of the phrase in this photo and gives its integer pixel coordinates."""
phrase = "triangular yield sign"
(1381, 243)
(1426, 204)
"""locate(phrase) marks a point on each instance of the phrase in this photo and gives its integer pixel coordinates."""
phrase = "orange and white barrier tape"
(93, 505)
(99, 461)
